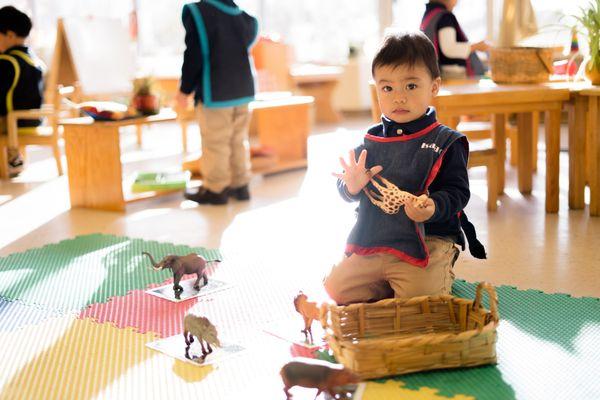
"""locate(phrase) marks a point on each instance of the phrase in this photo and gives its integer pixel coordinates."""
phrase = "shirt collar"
(17, 47)
(392, 128)
(432, 5)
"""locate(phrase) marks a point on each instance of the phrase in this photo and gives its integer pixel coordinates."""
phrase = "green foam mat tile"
(548, 348)
(75, 273)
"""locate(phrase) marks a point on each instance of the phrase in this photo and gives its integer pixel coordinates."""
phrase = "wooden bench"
(281, 124)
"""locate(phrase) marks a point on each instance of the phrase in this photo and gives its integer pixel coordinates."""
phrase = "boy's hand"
(355, 175)
(420, 209)
(181, 101)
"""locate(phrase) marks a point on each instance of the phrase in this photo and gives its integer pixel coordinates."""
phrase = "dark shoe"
(241, 193)
(15, 166)
(205, 196)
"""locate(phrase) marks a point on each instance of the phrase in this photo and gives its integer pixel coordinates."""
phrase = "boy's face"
(404, 92)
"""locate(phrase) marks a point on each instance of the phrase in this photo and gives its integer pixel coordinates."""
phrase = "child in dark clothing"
(403, 243)
(20, 76)
(218, 70)
(457, 56)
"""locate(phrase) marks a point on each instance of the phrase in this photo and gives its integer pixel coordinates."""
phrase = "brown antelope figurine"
(204, 330)
(309, 311)
(318, 374)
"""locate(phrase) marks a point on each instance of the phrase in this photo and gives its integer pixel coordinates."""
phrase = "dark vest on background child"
(437, 17)
(411, 162)
(217, 64)
(21, 86)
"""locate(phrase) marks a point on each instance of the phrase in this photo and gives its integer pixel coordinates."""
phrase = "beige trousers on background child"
(225, 148)
(359, 279)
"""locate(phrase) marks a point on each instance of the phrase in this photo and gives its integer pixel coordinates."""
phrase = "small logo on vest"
(431, 146)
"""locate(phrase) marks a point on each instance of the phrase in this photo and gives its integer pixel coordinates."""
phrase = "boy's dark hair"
(14, 20)
(409, 49)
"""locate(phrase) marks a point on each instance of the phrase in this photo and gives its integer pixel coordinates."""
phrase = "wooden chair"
(488, 158)
(47, 134)
(478, 157)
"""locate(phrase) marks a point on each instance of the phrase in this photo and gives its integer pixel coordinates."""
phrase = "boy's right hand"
(356, 175)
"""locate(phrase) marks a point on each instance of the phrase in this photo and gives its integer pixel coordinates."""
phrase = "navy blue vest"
(411, 162)
(225, 35)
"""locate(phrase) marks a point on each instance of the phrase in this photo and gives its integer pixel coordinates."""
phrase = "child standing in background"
(217, 69)
(456, 55)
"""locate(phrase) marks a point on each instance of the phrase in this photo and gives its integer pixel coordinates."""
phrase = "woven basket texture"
(399, 336)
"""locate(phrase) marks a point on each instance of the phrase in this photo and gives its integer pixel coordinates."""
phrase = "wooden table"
(588, 148)
(94, 161)
(319, 82)
(498, 100)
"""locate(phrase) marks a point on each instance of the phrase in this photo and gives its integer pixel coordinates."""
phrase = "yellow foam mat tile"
(393, 390)
(68, 358)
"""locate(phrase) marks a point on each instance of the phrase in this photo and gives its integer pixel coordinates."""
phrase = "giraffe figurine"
(390, 198)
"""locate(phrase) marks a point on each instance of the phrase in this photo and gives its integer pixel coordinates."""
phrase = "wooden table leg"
(535, 124)
(552, 159)
(139, 130)
(594, 160)
(94, 160)
(524, 159)
(577, 126)
(499, 141)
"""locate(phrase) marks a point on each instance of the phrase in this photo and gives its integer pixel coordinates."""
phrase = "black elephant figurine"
(181, 265)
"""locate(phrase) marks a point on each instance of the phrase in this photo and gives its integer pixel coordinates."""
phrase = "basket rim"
(409, 301)
(423, 339)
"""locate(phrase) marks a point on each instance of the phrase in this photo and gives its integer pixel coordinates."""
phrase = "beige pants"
(225, 149)
(374, 277)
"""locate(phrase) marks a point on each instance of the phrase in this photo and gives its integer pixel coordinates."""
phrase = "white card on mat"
(166, 291)
(174, 346)
(290, 330)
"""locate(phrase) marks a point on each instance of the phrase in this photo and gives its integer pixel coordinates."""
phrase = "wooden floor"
(296, 219)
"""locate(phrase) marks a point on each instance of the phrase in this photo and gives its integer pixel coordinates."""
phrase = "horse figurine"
(204, 330)
(309, 311)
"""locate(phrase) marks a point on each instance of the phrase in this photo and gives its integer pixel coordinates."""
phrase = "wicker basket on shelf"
(521, 64)
(398, 336)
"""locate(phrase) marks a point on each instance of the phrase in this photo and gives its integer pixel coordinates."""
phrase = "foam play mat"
(74, 273)
(548, 348)
(75, 322)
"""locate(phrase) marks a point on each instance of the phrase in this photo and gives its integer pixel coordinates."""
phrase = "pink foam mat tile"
(141, 311)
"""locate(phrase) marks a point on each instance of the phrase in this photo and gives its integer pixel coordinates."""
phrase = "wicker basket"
(398, 336)
(521, 64)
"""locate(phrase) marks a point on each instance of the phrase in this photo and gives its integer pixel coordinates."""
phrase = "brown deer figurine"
(309, 311)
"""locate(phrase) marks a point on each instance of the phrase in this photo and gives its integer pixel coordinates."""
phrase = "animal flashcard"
(188, 292)
(175, 346)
